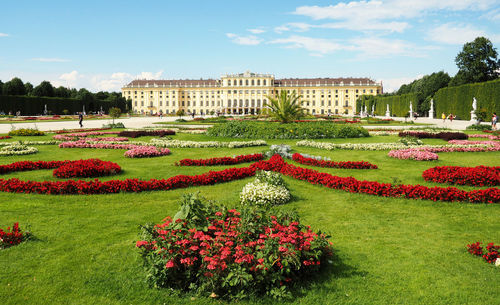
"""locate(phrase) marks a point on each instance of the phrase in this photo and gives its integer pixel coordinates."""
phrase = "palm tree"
(285, 107)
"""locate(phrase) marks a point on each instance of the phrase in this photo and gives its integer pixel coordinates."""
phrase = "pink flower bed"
(146, 152)
(467, 142)
(85, 144)
(487, 136)
(73, 136)
(413, 154)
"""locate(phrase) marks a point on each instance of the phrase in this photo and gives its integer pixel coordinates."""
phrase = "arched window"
(258, 82)
(241, 82)
(246, 103)
(253, 82)
(229, 82)
(235, 103)
(264, 83)
(258, 103)
(228, 103)
(241, 103)
(253, 103)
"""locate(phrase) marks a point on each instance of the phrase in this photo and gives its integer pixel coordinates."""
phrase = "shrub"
(13, 237)
(24, 132)
(87, 168)
(224, 253)
(113, 125)
(478, 127)
(282, 149)
(306, 130)
(263, 194)
(270, 178)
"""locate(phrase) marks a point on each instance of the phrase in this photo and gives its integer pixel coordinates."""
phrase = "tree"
(29, 88)
(286, 107)
(62, 92)
(478, 62)
(115, 113)
(44, 89)
(180, 113)
(14, 87)
(1, 87)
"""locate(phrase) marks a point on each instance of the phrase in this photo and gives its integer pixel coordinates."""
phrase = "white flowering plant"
(267, 190)
(17, 149)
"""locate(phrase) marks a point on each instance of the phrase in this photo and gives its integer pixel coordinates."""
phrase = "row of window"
(201, 92)
(247, 82)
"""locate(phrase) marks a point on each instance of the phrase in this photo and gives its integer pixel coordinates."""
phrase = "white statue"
(387, 112)
(431, 111)
(366, 111)
(473, 117)
(373, 110)
(474, 104)
(411, 111)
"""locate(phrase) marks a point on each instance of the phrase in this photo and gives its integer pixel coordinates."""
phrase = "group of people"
(450, 117)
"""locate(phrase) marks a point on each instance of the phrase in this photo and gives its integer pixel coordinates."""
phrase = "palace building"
(246, 93)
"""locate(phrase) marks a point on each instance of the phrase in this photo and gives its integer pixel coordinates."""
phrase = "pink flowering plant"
(146, 152)
(212, 251)
(413, 154)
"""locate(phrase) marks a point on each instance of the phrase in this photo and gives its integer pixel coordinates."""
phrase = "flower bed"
(440, 135)
(413, 154)
(194, 144)
(87, 168)
(143, 133)
(17, 150)
(78, 130)
(476, 176)
(78, 135)
(5, 137)
(9, 238)
(491, 256)
(146, 152)
(487, 136)
(228, 254)
(267, 190)
(322, 163)
(221, 161)
(26, 132)
(468, 142)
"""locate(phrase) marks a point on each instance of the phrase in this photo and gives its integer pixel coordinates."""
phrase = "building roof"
(173, 83)
(323, 81)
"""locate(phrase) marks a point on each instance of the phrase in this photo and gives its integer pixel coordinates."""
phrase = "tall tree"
(478, 61)
(285, 107)
(44, 89)
(62, 92)
(14, 87)
(29, 88)
(1, 87)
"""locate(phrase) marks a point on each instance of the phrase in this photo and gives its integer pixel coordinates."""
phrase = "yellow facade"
(246, 93)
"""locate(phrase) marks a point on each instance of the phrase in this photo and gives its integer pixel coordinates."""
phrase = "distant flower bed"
(17, 149)
(413, 154)
(5, 137)
(26, 132)
(87, 168)
(491, 137)
(343, 164)
(440, 135)
(491, 256)
(143, 133)
(79, 130)
(221, 161)
(81, 135)
(476, 176)
(231, 254)
(11, 237)
(202, 144)
(146, 152)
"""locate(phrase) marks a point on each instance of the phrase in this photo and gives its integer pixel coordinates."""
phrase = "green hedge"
(399, 105)
(458, 100)
(33, 105)
(271, 130)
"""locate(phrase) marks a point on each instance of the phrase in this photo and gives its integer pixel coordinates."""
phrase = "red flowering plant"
(324, 163)
(491, 256)
(210, 250)
(87, 168)
(221, 161)
(9, 238)
(476, 176)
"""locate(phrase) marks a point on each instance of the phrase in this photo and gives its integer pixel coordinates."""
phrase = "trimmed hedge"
(33, 105)
(306, 130)
(399, 105)
(458, 100)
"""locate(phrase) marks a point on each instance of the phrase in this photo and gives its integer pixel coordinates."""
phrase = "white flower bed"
(282, 149)
(17, 149)
(194, 144)
(49, 142)
(383, 146)
(264, 194)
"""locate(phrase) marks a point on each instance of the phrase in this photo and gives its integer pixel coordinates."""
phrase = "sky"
(103, 45)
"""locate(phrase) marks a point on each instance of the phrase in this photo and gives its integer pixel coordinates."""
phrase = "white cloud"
(47, 59)
(4, 35)
(317, 46)
(451, 33)
(244, 40)
(282, 28)
(393, 84)
(353, 24)
(256, 31)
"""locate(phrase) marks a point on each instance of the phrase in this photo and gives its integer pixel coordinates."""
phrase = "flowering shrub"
(17, 149)
(440, 135)
(194, 144)
(491, 256)
(282, 149)
(146, 152)
(142, 133)
(13, 237)
(221, 161)
(476, 176)
(26, 132)
(410, 141)
(229, 254)
(87, 168)
(267, 190)
(347, 164)
(413, 154)
(5, 137)
(270, 178)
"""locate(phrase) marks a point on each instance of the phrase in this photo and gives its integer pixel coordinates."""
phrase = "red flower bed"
(143, 133)
(491, 256)
(347, 164)
(221, 161)
(5, 137)
(12, 237)
(87, 168)
(208, 245)
(476, 176)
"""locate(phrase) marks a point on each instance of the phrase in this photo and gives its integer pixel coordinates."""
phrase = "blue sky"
(102, 45)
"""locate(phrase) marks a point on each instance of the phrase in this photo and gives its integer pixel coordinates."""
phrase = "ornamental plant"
(87, 168)
(475, 176)
(26, 132)
(324, 163)
(491, 255)
(413, 154)
(146, 152)
(230, 254)
(17, 149)
(146, 133)
(9, 238)
(221, 161)
(266, 190)
(5, 137)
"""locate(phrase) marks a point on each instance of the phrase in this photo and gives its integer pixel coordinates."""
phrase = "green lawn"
(388, 250)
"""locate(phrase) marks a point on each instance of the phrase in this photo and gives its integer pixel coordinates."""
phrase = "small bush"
(113, 125)
(9, 238)
(25, 132)
(478, 127)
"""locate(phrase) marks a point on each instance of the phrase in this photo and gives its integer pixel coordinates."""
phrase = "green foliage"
(458, 100)
(114, 125)
(399, 105)
(14, 87)
(26, 132)
(478, 61)
(479, 127)
(180, 112)
(286, 107)
(44, 89)
(115, 113)
(304, 130)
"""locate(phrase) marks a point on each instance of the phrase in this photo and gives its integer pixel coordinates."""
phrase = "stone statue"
(373, 110)
(387, 112)
(431, 111)
(411, 111)
(474, 104)
(473, 117)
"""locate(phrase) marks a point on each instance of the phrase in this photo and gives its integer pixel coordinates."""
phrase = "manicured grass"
(388, 250)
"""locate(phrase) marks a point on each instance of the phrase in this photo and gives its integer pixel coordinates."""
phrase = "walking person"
(443, 116)
(494, 120)
(80, 119)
